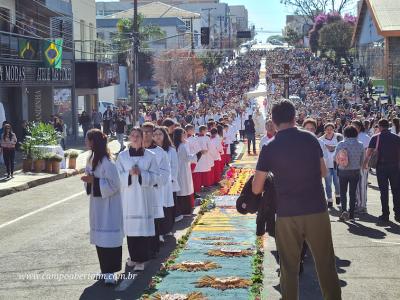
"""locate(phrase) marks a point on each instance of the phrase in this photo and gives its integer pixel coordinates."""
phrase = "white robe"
(173, 160)
(216, 148)
(185, 158)
(206, 161)
(163, 179)
(106, 226)
(259, 122)
(138, 198)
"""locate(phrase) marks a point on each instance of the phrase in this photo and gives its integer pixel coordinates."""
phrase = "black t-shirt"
(388, 148)
(249, 126)
(120, 128)
(294, 159)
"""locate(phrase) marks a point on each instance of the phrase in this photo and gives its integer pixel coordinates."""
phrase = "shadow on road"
(134, 288)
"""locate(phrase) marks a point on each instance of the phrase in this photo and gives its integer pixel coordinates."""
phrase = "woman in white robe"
(162, 139)
(185, 196)
(105, 210)
(138, 171)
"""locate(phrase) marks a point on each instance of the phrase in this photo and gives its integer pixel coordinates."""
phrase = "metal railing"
(17, 46)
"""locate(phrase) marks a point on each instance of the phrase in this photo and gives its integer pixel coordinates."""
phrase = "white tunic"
(173, 160)
(163, 179)
(216, 148)
(137, 198)
(167, 189)
(206, 161)
(185, 158)
(106, 226)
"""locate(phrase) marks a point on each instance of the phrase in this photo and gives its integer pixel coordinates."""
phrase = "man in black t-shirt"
(387, 168)
(296, 160)
(250, 131)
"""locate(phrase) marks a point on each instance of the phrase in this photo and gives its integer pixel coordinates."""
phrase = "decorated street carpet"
(218, 259)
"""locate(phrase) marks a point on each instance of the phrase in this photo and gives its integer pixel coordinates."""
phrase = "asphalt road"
(367, 258)
(45, 251)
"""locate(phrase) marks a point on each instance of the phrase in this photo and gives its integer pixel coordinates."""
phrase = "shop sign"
(12, 74)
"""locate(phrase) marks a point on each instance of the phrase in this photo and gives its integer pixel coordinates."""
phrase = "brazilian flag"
(53, 53)
(27, 49)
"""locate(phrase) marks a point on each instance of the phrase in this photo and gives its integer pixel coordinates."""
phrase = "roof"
(386, 16)
(157, 10)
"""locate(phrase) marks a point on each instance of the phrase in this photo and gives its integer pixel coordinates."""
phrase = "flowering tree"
(312, 8)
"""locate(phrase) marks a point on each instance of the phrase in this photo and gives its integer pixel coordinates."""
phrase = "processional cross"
(286, 76)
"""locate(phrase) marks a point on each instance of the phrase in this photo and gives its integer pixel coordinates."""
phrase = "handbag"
(373, 161)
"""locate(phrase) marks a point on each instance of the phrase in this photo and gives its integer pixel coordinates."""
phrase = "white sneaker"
(179, 218)
(130, 263)
(162, 239)
(109, 278)
(170, 234)
(139, 267)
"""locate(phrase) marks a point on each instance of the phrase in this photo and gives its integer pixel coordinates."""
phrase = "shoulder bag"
(373, 161)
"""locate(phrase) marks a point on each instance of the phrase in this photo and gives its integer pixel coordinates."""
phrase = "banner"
(27, 49)
(53, 53)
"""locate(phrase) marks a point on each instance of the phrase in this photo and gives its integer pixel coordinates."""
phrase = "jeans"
(251, 138)
(9, 158)
(331, 176)
(348, 179)
(386, 174)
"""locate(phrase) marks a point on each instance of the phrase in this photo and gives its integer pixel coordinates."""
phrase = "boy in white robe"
(205, 163)
(194, 148)
(139, 172)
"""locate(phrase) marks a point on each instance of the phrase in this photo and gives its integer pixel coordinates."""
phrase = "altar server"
(139, 172)
(163, 179)
(162, 139)
(206, 162)
(194, 148)
(105, 210)
(185, 200)
(215, 151)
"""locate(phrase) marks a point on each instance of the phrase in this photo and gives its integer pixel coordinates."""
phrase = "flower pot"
(48, 166)
(72, 163)
(55, 166)
(27, 165)
(38, 165)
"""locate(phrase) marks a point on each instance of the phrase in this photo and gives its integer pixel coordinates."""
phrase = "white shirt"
(265, 140)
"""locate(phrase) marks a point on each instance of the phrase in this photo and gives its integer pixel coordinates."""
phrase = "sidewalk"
(23, 181)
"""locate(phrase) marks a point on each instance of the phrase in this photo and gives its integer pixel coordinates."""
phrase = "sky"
(267, 14)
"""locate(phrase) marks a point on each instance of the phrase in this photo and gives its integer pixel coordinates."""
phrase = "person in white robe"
(185, 195)
(226, 140)
(162, 139)
(194, 148)
(205, 163)
(163, 179)
(215, 152)
(103, 187)
(138, 171)
(259, 122)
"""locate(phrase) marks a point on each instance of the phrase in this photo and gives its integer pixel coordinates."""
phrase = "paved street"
(44, 231)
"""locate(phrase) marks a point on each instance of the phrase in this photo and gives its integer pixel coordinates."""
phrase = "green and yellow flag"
(27, 49)
(53, 53)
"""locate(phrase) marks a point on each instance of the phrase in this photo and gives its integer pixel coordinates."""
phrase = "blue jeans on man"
(386, 175)
(330, 178)
(251, 138)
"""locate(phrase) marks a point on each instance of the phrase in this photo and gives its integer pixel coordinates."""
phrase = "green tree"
(337, 36)
(292, 37)
(276, 37)
(210, 61)
(312, 8)
(123, 41)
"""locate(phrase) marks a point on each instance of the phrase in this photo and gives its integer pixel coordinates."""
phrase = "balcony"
(16, 46)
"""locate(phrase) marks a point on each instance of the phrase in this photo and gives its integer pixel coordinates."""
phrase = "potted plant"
(55, 163)
(72, 155)
(47, 162)
(38, 162)
(26, 147)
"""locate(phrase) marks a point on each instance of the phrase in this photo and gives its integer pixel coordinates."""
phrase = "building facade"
(29, 87)
(377, 41)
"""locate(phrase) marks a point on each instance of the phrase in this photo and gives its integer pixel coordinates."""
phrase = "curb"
(40, 181)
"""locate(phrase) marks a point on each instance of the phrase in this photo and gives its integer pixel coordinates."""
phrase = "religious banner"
(53, 53)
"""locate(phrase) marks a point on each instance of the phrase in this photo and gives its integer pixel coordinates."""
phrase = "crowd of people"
(169, 160)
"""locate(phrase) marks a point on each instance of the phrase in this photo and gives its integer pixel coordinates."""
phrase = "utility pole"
(220, 32)
(209, 20)
(135, 63)
(192, 57)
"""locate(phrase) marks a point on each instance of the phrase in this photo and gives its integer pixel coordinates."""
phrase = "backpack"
(342, 158)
